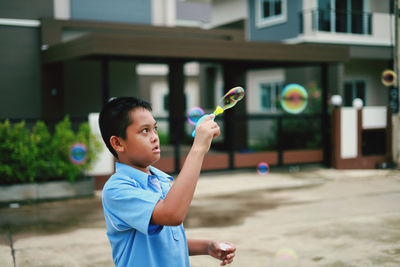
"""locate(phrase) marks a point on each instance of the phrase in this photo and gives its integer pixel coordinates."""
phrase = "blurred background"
(67, 58)
(61, 60)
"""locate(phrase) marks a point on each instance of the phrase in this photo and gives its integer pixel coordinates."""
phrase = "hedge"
(36, 155)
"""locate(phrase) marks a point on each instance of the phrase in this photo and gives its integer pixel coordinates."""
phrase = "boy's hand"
(205, 132)
(223, 251)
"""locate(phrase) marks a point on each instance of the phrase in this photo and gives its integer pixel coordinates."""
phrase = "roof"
(128, 41)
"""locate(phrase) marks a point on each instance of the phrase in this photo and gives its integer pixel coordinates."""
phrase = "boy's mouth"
(156, 149)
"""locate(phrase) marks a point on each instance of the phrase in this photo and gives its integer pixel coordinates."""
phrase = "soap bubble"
(285, 257)
(229, 99)
(388, 78)
(194, 115)
(263, 168)
(294, 98)
(78, 153)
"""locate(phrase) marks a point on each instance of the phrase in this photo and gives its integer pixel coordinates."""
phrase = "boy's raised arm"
(172, 210)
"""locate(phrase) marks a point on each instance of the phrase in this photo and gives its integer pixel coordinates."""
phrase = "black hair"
(114, 118)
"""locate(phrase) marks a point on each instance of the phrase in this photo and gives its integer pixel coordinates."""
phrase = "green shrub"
(42, 150)
(38, 155)
(6, 169)
(15, 156)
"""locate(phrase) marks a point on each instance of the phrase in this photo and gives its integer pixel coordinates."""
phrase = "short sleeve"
(128, 206)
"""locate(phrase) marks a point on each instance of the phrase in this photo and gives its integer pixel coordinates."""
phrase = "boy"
(143, 212)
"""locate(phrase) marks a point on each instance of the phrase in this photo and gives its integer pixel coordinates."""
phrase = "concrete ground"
(301, 216)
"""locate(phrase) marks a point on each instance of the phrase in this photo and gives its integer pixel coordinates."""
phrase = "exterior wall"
(379, 6)
(369, 71)
(82, 87)
(123, 79)
(20, 57)
(192, 13)
(220, 16)
(82, 93)
(126, 11)
(335, 78)
(286, 30)
(304, 75)
(20, 73)
(253, 80)
(26, 9)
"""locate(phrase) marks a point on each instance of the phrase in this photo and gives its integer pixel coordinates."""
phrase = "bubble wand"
(227, 101)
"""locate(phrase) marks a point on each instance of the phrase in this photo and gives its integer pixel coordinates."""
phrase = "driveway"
(298, 216)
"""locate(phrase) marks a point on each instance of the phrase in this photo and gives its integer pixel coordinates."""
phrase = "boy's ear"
(117, 144)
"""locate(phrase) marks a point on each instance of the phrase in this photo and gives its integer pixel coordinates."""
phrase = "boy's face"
(141, 146)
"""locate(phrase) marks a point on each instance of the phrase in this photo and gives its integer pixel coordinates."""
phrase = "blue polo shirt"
(129, 197)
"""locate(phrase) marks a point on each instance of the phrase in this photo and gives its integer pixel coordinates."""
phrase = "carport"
(176, 46)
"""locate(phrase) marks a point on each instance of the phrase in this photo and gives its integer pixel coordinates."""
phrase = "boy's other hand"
(205, 132)
(225, 253)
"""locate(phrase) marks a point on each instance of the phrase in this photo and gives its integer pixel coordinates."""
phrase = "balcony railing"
(337, 21)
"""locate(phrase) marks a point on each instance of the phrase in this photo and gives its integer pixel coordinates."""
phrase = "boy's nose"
(154, 137)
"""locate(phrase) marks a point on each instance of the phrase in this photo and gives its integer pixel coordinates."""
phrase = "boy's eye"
(156, 128)
(145, 130)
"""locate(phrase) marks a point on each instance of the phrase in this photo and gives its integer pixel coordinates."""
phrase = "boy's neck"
(143, 169)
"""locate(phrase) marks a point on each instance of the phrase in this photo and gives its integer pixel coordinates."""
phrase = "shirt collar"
(160, 174)
(135, 174)
(139, 176)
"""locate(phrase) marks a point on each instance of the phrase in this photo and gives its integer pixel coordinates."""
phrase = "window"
(270, 12)
(166, 103)
(352, 90)
(269, 94)
(345, 16)
(271, 8)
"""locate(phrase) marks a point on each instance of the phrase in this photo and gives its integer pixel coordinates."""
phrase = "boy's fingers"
(228, 259)
(209, 117)
(209, 121)
(229, 256)
(216, 132)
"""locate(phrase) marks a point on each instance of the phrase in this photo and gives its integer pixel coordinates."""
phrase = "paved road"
(307, 217)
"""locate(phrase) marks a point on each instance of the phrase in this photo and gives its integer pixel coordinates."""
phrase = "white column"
(163, 12)
(62, 9)
(348, 133)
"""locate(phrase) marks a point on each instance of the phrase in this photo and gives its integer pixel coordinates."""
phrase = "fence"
(276, 139)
